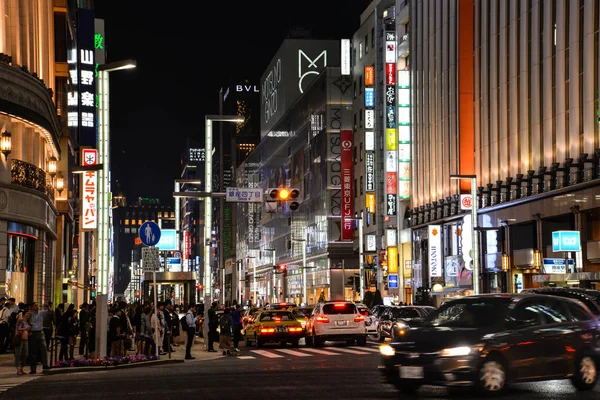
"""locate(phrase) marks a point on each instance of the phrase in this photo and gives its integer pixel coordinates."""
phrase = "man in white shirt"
(190, 318)
(4, 326)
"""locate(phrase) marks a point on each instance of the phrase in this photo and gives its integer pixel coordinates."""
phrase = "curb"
(55, 371)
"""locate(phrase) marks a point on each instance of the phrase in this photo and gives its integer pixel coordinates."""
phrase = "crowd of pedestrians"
(132, 329)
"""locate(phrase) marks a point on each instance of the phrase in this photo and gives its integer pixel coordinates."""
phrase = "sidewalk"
(8, 370)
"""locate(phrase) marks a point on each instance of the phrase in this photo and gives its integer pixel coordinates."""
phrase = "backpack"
(224, 325)
(184, 324)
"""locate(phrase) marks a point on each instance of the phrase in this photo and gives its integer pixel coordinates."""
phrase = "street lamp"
(103, 206)
(208, 133)
(474, 234)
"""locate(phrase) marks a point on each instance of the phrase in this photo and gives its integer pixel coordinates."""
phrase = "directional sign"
(243, 195)
(393, 281)
(149, 233)
(150, 259)
(556, 265)
(566, 241)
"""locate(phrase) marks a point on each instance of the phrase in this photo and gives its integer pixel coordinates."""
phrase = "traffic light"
(200, 287)
(280, 268)
(290, 195)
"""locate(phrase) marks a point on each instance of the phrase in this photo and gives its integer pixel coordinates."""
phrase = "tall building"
(508, 92)
(305, 111)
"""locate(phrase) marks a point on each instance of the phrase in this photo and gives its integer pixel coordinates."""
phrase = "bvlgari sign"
(295, 66)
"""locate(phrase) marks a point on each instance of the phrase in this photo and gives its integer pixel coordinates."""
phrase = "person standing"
(213, 323)
(36, 340)
(84, 317)
(48, 324)
(236, 319)
(146, 332)
(115, 336)
(190, 319)
(225, 325)
(4, 328)
(21, 349)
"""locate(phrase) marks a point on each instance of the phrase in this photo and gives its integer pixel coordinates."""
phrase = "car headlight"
(401, 325)
(387, 350)
(459, 351)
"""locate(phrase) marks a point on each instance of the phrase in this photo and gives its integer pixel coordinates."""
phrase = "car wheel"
(492, 376)
(586, 373)
(349, 342)
(380, 337)
(362, 341)
(308, 340)
(248, 341)
(258, 342)
(407, 387)
(317, 341)
(295, 343)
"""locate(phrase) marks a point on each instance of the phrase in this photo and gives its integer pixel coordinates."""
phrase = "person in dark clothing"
(115, 334)
(137, 325)
(62, 334)
(84, 318)
(213, 323)
(190, 319)
(237, 327)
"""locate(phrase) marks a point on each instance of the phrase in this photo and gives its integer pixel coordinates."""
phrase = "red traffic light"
(282, 267)
(200, 286)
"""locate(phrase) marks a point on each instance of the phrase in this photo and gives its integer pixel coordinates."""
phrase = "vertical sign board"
(403, 123)
(345, 55)
(89, 191)
(347, 196)
(434, 251)
(566, 241)
(391, 171)
(81, 101)
(392, 259)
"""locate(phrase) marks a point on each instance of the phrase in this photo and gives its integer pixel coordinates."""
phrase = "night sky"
(186, 51)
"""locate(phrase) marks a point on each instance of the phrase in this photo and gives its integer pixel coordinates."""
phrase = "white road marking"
(246, 357)
(369, 349)
(267, 353)
(344, 350)
(294, 353)
(324, 352)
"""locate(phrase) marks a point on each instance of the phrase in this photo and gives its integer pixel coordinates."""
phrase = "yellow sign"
(390, 139)
(392, 259)
(407, 269)
(370, 202)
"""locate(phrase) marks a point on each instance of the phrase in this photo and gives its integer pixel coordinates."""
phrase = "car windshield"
(405, 313)
(339, 308)
(364, 311)
(477, 313)
(277, 316)
(302, 313)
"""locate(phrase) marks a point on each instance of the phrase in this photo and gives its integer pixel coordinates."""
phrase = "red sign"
(390, 73)
(347, 196)
(369, 75)
(391, 186)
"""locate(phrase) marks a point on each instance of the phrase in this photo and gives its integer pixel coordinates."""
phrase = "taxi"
(274, 326)
(302, 314)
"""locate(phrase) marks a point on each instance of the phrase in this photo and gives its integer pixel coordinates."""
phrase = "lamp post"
(361, 264)
(474, 234)
(103, 206)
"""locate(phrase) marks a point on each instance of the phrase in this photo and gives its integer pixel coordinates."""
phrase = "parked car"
(400, 317)
(336, 321)
(488, 341)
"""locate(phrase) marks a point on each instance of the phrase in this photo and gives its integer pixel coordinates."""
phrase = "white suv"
(336, 321)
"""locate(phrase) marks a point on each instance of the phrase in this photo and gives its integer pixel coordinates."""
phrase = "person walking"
(36, 339)
(213, 323)
(190, 319)
(225, 326)
(21, 348)
(236, 319)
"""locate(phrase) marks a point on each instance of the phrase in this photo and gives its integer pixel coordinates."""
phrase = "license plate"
(282, 329)
(341, 323)
(411, 373)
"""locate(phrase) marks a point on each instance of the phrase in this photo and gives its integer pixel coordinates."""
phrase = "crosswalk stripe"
(246, 357)
(370, 349)
(343, 350)
(317, 351)
(294, 353)
(267, 353)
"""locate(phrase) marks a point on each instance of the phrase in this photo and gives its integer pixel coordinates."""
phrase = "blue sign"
(557, 261)
(168, 240)
(566, 241)
(556, 265)
(369, 97)
(393, 281)
(149, 233)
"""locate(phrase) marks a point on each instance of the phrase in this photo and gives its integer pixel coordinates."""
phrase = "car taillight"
(267, 330)
(338, 305)
(359, 318)
(322, 318)
(294, 329)
(277, 319)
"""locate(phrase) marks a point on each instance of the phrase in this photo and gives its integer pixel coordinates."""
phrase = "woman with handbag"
(20, 342)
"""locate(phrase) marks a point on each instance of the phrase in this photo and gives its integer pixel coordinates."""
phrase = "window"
(526, 314)
(360, 51)
(361, 185)
(373, 37)
(339, 308)
(277, 316)
(361, 151)
(480, 313)
(366, 43)
(554, 312)
(578, 313)
(405, 313)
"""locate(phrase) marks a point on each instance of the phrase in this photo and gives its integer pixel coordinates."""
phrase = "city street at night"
(331, 372)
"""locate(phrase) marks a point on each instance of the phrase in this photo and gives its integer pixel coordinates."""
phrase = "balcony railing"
(28, 175)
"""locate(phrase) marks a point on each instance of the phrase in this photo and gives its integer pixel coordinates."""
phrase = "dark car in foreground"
(396, 318)
(488, 341)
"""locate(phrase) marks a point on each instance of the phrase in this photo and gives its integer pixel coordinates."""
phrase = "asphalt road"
(333, 372)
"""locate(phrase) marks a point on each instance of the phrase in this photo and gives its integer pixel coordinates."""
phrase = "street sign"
(243, 195)
(556, 265)
(168, 240)
(150, 259)
(393, 281)
(466, 201)
(566, 241)
(149, 233)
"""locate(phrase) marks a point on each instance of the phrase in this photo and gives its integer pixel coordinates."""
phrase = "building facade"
(507, 92)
